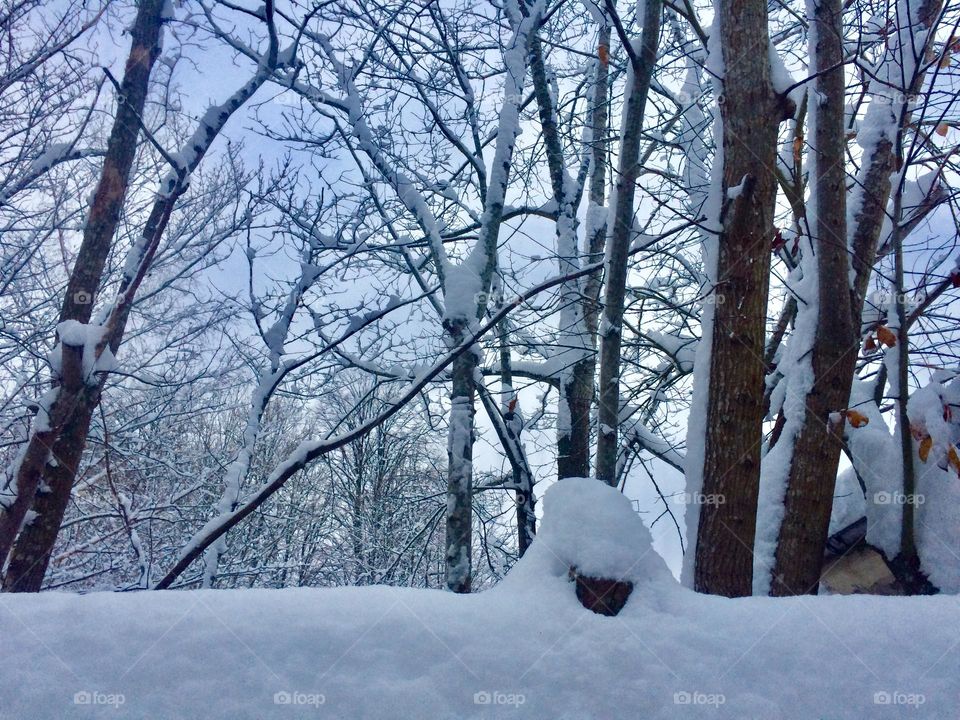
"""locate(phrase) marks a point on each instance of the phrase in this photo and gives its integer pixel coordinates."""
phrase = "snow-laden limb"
(51, 157)
(268, 378)
(638, 435)
(896, 77)
(404, 187)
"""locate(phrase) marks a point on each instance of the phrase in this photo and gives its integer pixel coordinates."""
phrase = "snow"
(697, 424)
(74, 333)
(681, 349)
(876, 457)
(525, 649)
(619, 546)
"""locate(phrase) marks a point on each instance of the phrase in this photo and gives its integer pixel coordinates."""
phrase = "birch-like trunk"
(477, 271)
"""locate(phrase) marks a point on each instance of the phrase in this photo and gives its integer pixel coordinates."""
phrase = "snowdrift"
(526, 649)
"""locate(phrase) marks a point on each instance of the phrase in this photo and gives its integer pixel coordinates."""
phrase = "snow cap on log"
(592, 532)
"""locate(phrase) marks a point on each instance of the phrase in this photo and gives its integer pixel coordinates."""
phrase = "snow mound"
(594, 528)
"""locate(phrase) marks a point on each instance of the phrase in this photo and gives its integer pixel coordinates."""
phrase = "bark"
(465, 366)
(575, 387)
(749, 112)
(573, 447)
(31, 552)
(622, 215)
(508, 425)
(816, 453)
(46, 445)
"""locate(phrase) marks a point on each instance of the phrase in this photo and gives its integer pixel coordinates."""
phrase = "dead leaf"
(604, 54)
(857, 419)
(886, 336)
(953, 459)
(925, 446)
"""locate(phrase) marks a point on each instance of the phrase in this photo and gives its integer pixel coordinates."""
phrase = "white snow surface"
(525, 649)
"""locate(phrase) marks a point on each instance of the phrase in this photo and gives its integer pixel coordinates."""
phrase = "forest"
(479, 358)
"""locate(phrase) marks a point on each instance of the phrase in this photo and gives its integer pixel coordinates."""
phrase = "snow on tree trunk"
(465, 291)
(572, 339)
(724, 435)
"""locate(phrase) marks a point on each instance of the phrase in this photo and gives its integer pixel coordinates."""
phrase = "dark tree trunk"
(74, 397)
(573, 447)
(816, 454)
(731, 466)
(459, 523)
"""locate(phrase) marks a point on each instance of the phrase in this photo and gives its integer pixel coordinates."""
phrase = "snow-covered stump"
(592, 536)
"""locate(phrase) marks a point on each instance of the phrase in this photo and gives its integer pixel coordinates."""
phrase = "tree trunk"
(45, 444)
(573, 446)
(622, 216)
(459, 545)
(808, 500)
(723, 562)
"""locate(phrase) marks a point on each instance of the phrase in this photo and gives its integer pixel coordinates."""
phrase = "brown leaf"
(604, 54)
(925, 446)
(942, 129)
(953, 459)
(886, 336)
(857, 419)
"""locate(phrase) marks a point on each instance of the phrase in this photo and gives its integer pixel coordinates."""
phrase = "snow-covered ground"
(525, 649)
